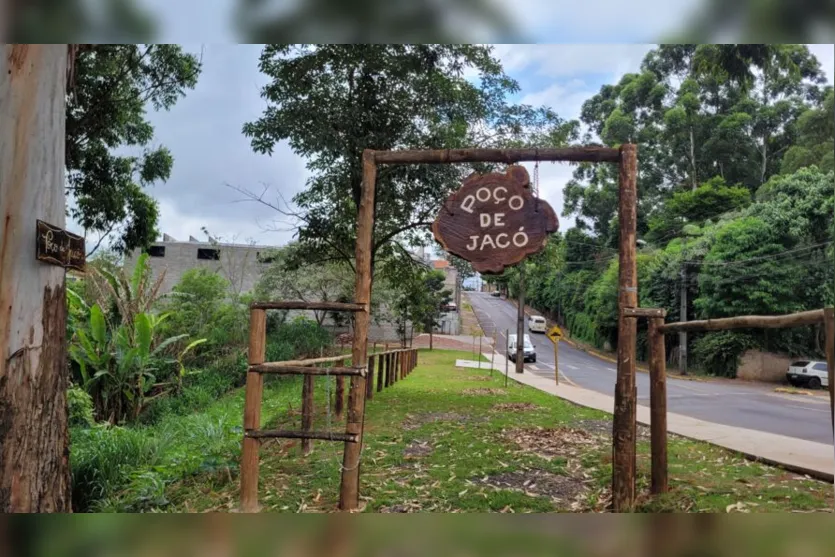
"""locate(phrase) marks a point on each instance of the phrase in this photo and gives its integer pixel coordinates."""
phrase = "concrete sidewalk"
(815, 459)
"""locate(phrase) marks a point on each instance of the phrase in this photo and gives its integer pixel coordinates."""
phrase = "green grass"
(432, 444)
(129, 469)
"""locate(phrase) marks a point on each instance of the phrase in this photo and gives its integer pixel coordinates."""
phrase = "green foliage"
(103, 458)
(376, 96)
(106, 115)
(200, 306)
(79, 407)
(718, 352)
(122, 359)
(289, 277)
(419, 300)
(297, 339)
(816, 138)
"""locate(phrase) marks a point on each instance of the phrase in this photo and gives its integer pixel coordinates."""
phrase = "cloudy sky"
(203, 132)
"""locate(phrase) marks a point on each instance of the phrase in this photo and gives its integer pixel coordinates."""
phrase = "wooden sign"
(59, 247)
(494, 221)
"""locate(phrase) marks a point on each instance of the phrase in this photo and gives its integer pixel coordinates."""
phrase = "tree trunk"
(692, 160)
(34, 440)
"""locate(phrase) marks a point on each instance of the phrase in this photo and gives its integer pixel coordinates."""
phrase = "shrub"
(80, 406)
(305, 338)
(718, 353)
(201, 307)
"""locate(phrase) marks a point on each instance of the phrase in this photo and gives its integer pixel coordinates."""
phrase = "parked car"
(495, 293)
(536, 324)
(808, 373)
(449, 307)
(528, 351)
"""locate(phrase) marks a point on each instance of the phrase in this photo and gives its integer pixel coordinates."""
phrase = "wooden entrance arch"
(624, 428)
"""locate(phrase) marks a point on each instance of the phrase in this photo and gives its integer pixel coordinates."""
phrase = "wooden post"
(520, 324)
(252, 411)
(506, 354)
(381, 364)
(493, 353)
(624, 424)
(339, 402)
(350, 485)
(307, 411)
(481, 336)
(34, 436)
(829, 328)
(369, 385)
(658, 405)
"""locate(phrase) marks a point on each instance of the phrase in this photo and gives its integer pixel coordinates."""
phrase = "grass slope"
(456, 440)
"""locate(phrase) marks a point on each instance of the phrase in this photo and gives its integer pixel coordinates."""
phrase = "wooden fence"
(658, 366)
(390, 367)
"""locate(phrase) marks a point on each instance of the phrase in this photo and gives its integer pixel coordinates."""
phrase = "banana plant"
(120, 368)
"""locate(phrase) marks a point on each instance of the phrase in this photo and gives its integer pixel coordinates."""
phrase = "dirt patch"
(604, 428)
(479, 378)
(418, 449)
(515, 407)
(536, 482)
(405, 507)
(560, 442)
(415, 421)
(484, 391)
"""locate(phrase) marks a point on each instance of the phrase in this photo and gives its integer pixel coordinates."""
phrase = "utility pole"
(34, 435)
(520, 323)
(682, 335)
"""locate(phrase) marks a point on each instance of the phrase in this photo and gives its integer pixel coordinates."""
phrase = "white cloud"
(825, 54)
(571, 60)
(181, 224)
(565, 99)
(602, 20)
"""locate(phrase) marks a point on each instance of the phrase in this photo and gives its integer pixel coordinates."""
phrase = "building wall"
(756, 365)
(237, 263)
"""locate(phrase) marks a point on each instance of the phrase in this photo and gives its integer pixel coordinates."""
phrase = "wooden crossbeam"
(277, 368)
(298, 304)
(508, 156)
(284, 434)
(644, 312)
(748, 322)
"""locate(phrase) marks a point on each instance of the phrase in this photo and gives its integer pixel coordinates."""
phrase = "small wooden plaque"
(58, 247)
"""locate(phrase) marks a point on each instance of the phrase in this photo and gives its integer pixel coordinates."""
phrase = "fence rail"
(391, 366)
(658, 365)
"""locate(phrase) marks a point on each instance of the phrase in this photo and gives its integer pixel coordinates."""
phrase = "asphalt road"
(751, 406)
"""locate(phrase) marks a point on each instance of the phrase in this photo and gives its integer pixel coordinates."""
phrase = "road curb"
(747, 454)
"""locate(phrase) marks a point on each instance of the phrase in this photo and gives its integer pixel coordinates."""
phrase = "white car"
(528, 351)
(810, 374)
(536, 324)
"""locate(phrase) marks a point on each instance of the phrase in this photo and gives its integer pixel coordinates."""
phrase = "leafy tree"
(201, 306)
(285, 279)
(111, 87)
(708, 201)
(428, 299)
(333, 101)
(815, 138)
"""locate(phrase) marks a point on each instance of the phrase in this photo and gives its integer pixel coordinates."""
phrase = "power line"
(735, 262)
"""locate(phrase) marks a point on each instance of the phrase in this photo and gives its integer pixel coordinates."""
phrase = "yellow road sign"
(554, 333)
